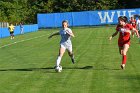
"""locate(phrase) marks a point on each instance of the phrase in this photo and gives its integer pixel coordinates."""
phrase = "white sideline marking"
(20, 41)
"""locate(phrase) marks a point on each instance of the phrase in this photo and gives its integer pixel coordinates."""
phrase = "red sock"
(124, 59)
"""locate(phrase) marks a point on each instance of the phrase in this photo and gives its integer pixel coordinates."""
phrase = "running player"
(65, 43)
(21, 28)
(133, 23)
(124, 29)
(11, 30)
(138, 24)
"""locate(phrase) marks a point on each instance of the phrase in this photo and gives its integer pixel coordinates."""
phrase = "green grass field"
(26, 64)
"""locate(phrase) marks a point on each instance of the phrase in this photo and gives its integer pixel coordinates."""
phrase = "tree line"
(26, 10)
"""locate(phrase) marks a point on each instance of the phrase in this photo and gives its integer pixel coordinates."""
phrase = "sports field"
(26, 64)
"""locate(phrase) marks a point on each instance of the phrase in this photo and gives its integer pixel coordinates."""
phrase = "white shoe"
(123, 66)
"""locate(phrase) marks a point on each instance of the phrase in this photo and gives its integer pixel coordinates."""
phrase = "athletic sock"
(72, 59)
(58, 61)
(124, 59)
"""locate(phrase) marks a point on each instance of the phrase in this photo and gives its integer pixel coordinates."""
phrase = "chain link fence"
(4, 24)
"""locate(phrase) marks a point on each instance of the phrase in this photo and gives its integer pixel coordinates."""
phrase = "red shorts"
(121, 43)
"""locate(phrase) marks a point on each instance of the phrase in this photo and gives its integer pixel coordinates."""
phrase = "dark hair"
(65, 21)
(124, 18)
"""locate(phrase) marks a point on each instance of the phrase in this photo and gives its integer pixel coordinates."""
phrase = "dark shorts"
(11, 32)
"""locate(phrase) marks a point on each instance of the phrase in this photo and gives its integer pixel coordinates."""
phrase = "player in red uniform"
(133, 23)
(124, 29)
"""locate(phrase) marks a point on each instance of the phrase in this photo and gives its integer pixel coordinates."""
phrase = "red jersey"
(133, 23)
(124, 36)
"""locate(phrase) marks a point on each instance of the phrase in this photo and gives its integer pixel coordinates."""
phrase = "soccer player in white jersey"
(65, 43)
(138, 24)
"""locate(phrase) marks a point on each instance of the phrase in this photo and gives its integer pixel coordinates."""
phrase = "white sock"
(58, 61)
(123, 65)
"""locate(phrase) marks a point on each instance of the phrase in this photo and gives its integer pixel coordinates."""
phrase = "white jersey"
(65, 37)
(138, 24)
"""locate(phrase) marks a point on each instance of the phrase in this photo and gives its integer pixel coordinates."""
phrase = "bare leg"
(61, 53)
(124, 52)
(133, 34)
(13, 36)
(121, 50)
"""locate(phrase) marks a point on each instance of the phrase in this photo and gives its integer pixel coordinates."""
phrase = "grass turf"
(26, 64)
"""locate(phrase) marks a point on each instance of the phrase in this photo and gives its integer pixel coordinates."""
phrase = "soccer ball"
(58, 68)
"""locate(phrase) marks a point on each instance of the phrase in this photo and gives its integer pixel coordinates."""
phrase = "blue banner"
(85, 18)
(4, 32)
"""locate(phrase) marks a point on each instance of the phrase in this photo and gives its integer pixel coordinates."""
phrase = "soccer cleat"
(122, 66)
(73, 61)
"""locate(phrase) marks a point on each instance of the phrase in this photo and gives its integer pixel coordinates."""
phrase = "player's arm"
(70, 33)
(114, 34)
(136, 31)
(54, 34)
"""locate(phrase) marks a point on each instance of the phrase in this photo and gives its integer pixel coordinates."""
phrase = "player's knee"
(60, 54)
(123, 53)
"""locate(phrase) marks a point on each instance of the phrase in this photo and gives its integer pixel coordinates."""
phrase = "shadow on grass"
(47, 68)
(51, 68)
(107, 68)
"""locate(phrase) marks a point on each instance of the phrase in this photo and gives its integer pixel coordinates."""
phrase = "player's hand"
(110, 38)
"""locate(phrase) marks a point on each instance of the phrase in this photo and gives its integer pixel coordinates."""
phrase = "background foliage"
(26, 10)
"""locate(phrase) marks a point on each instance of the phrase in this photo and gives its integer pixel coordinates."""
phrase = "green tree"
(27, 10)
